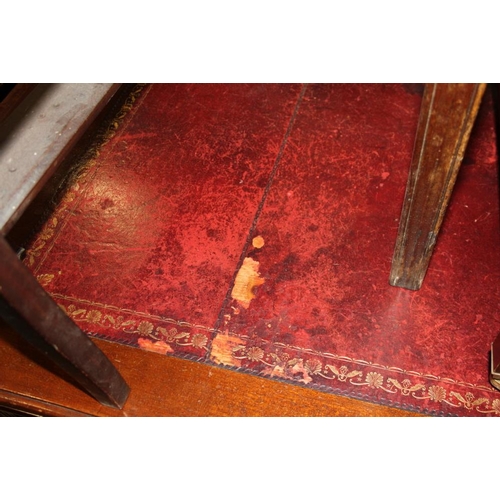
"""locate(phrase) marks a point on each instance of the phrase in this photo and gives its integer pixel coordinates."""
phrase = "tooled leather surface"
(146, 246)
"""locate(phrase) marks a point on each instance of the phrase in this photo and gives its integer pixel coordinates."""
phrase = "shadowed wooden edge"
(163, 386)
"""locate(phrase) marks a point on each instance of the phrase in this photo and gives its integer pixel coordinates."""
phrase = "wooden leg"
(28, 308)
(446, 118)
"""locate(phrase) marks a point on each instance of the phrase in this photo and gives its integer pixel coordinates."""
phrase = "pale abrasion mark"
(223, 346)
(258, 242)
(246, 280)
(160, 347)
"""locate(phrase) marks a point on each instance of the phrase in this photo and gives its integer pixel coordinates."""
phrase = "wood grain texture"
(163, 386)
(446, 118)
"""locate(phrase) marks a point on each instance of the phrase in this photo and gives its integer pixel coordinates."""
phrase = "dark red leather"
(145, 248)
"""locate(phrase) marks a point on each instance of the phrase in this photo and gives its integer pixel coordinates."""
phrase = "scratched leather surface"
(147, 246)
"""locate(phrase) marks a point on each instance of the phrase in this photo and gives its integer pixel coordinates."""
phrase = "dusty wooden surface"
(446, 118)
(162, 386)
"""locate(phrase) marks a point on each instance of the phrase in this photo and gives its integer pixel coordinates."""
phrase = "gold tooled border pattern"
(410, 387)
